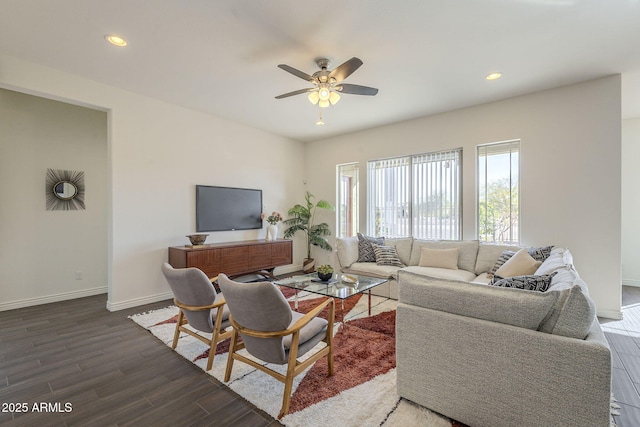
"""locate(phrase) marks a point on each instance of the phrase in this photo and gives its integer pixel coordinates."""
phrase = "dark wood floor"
(113, 373)
(624, 339)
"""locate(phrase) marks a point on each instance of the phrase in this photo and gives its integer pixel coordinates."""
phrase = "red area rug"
(363, 349)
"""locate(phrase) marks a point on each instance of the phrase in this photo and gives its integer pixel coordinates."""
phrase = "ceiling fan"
(328, 84)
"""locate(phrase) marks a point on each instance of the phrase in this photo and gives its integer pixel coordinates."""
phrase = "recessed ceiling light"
(115, 40)
(494, 76)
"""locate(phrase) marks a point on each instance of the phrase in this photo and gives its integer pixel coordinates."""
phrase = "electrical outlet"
(78, 275)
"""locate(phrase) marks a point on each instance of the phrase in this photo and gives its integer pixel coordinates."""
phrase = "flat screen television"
(226, 208)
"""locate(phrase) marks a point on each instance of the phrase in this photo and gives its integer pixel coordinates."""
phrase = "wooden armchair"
(272, 332)
(199, 306)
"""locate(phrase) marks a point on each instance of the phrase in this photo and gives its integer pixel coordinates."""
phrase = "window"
(348, 199)
(416, 196)
(498, 192)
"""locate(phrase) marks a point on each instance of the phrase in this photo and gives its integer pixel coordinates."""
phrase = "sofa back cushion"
(347, 248)
(524, 309)
(488, 255)
(403, 247)
(560, 259)
(468, 250)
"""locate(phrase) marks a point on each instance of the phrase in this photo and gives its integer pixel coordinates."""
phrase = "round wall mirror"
(65, 190)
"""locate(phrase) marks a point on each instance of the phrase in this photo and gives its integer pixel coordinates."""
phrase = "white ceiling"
(425, 56)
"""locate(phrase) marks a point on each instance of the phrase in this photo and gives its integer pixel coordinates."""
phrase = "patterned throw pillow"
(365, 250)
(529, 283)
(387, 255)
(539, 254)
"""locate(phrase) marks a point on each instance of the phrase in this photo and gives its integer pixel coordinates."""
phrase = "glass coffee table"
(340, 286)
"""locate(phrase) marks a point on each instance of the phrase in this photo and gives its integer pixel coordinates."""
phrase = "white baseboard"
(28, 302)
(631, 282)
(168, 295)
(610, 314)
(138, 301)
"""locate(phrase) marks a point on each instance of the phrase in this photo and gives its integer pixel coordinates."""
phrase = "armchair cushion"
(317, 326)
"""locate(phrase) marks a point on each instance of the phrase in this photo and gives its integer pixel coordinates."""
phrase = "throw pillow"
(387, 255)
(541, 253)
(537, 253)
(504, 257)
(529, 283)
(440, 258)
(520, 264)
(365, 250)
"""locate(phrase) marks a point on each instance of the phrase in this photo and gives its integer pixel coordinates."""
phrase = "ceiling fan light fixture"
(334, 98)
(323, 103)
(324, 92)
(313, 97)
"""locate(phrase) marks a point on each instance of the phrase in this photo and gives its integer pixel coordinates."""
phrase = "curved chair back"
(191, 286)
(261, 307)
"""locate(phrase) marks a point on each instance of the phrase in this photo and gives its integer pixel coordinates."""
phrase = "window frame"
(404, 193)
(496, 146)
(352, 226)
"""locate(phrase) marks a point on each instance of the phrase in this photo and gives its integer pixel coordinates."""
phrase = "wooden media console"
(234, 258)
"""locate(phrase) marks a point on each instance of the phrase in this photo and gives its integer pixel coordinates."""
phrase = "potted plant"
(302, 218)
(325, 272)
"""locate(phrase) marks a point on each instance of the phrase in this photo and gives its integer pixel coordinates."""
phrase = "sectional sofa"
(473, 265)
(489, 355)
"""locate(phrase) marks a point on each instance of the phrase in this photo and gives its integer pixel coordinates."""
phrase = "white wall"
(570, 169)
(157, 153)
(630, 202)
(41, 251)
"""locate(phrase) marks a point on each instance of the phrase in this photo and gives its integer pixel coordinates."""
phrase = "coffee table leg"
(295, 300)
(369, 302)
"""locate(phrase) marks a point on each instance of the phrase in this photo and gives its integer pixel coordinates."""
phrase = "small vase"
(309, 265)
(272, 232)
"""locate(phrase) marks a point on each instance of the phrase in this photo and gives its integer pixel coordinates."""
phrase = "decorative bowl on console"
(197, 239)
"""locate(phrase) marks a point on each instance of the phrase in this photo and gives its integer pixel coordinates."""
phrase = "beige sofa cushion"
(521, 264)
(373, 269)
(442, 273)
(347, 248)
(560, 259)
(403, 247)
(488, 255)
(466, 257)
(441, 258)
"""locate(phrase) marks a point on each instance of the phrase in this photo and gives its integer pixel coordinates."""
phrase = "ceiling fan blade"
(345, 70)
(297, 73)
(356, 89)
(295, 92)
